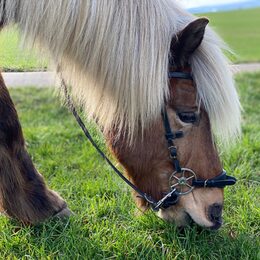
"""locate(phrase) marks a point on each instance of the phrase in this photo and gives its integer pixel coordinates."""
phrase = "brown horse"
(126, 98)
(147, 162)
(23, 193)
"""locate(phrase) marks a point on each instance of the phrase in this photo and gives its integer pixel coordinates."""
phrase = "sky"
(198, 3)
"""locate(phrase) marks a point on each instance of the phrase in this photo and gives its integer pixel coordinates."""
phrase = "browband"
(179, 75)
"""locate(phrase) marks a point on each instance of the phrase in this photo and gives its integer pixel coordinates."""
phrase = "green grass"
(104, 224)
(241, 30)
(13, 57)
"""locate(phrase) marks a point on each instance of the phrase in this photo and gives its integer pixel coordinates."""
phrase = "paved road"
(46, 79)
(25, 79)
(246, 67)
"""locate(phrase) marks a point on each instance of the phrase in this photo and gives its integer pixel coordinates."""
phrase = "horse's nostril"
(215, 212)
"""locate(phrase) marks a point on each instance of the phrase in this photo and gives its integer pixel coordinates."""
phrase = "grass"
(240, 29)
(13, 57)
(104, 225)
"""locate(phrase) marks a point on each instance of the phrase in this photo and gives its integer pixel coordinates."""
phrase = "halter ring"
(183, 181)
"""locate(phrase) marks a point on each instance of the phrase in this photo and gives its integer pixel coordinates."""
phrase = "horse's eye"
(188, 117)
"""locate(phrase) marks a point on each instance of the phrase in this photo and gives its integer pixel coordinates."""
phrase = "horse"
(155, 80)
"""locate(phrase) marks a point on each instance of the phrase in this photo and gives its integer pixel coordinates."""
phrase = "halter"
(181, 178)
(184, 177)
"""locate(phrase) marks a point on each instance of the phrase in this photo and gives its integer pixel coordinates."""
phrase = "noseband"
(181, 178)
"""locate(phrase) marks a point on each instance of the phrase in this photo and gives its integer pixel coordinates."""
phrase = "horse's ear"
(187, 41)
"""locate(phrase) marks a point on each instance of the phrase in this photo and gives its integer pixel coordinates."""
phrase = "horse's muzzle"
(215, 215)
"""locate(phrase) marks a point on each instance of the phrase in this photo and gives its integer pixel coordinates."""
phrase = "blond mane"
(114, 54)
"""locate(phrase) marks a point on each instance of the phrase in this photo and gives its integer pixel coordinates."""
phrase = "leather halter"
(191, 180)
(179, 175)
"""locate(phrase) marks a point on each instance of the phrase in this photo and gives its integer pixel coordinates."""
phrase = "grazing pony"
(117, 57)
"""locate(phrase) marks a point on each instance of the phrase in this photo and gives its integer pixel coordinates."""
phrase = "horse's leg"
(23, 193)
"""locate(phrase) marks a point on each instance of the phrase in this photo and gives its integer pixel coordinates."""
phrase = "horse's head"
(147, 161)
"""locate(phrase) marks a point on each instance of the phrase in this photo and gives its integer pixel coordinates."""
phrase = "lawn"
(241, 30)
(104, 224)
(13, 57)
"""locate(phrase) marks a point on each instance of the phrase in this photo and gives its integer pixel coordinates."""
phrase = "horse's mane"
(115, 55)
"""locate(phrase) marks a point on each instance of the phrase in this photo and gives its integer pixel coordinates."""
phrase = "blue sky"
(198, 3)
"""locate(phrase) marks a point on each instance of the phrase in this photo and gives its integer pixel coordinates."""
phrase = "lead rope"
(155, 205)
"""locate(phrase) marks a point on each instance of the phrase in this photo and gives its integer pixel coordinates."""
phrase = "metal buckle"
(173, 149)
(183, 180)
(160, 202)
